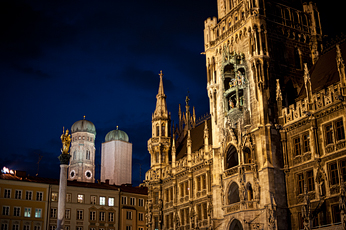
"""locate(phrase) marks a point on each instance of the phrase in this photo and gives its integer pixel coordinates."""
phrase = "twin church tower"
(116, 155)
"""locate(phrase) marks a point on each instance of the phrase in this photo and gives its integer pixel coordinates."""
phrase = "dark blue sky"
(60, 60)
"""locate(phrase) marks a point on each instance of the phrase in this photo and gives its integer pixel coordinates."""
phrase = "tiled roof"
(197, 138)
(325, 71)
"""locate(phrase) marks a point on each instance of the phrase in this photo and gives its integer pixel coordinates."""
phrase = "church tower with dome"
(116, 158)
(82, 163)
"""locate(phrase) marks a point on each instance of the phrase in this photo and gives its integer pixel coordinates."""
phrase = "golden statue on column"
(65, 140)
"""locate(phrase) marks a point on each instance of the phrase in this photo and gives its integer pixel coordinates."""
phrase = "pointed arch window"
(249, 192)
(233, 193)
(236, 225)
(163, 130)
(157, 130)
(247, 156)
(231, 157)
(157, 157)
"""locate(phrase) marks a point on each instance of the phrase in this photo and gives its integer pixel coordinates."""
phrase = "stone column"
(64, 161)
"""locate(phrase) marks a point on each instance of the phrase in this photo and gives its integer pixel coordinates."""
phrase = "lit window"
(27, 212)
(28, 195)
(102, 216)
(102, 200)
(38, 213)
(18, 194)
(111, 201)
(54, 196)
(39, 196)
(80, 198)
(7, 193)
(16, 211)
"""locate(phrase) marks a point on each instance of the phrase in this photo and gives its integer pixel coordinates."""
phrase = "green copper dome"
(83, 126)
(117, 135)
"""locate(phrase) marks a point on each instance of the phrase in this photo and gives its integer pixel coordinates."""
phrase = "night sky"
(61, 60)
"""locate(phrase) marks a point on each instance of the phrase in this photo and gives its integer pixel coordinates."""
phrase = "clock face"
(88, 174)
(72, 173)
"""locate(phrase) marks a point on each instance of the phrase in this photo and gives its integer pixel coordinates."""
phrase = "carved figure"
(257, 190)
(65, 140)
(271, 219)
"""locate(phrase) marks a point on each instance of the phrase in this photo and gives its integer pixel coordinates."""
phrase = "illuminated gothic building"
(271, 155)
(82, 162)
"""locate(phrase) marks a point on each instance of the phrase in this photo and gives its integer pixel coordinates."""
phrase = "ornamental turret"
(160, 142)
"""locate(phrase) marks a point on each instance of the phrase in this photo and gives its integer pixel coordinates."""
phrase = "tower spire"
(161, 107)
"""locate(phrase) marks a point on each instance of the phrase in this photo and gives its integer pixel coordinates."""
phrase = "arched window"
(247, 156)
(236, 225)
(249, 192)
(157, 130)
(163, 160)
(233, 193)
(231, 157)
(87, 155)
(163, 131)
(157, 157)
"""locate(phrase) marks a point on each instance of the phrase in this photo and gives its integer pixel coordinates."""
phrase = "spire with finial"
(341, 68)
(161, 107)
(308, 87)
(84, 117)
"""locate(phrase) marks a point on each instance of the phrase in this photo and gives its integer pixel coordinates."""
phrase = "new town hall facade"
(271, 154)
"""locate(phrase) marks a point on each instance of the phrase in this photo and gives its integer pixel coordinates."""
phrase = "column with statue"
(64, 159)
